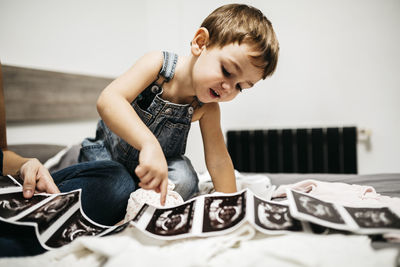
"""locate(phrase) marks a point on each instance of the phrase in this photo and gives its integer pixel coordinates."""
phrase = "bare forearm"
(218, 161)
(223, 176)
(35, 176)
(12, 162)
(114, 103)
(122, 119)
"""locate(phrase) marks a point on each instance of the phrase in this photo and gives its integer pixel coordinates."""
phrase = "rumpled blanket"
(141, 196)
(349, 195)
(243, 247)
(259, 184)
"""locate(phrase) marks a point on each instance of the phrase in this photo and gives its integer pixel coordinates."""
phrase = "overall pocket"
(93, 150)
(126, 153)
(172, 138)
(144, 115)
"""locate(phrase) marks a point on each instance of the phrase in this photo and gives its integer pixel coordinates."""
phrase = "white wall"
(339, 62)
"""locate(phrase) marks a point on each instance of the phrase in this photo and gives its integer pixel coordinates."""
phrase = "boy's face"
(219, 74)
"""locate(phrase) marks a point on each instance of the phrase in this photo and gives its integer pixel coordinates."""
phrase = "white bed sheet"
(244, 247)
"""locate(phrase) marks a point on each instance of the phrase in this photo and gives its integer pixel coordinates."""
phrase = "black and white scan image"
(374, 217)
(222, 212)
(172, 221)
(140, 213)
(6, 181)
(47, 214)
(77, 225)
(273, 216)
(319, 209)
(12, 204)
(117, 229)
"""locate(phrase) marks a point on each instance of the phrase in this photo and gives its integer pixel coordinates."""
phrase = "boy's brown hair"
(242, 23)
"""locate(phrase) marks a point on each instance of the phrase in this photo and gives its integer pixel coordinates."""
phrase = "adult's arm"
(35, 176)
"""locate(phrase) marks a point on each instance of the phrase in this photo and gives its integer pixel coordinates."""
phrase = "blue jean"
(106, 187)
(183, 175)
(180, 169)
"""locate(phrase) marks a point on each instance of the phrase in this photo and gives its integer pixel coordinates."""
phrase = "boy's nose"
(226, 86)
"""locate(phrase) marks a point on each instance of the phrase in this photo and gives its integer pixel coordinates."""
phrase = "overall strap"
(167, 72)
(169, 64)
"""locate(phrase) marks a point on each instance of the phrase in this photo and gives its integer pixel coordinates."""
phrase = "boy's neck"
(180, 90)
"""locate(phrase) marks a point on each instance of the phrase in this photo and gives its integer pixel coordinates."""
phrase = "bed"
(245, 246)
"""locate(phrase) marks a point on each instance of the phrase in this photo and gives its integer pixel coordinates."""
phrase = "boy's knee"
(106, 187)
(120, 183)
(184, 177)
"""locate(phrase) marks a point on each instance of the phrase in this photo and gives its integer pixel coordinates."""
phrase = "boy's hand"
(36, 178)
(153, 171)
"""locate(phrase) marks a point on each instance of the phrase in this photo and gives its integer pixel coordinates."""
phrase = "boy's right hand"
(153, 171)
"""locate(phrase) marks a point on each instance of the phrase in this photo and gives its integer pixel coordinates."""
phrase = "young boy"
(146, 113)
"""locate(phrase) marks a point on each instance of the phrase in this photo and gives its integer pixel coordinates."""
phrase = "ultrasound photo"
(319, 209)
(47, 214)
(273, 216)
(117, 229)
(140, 213)
(6, 181)
(77, 225)
(374, 217)
(172, 221)
(12, 204)
(222, 212)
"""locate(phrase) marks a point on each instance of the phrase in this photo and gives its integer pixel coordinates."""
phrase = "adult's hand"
(36, 178)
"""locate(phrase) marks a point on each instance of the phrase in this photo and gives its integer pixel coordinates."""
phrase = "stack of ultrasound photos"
(216, 214)
(57, 218)
(361, 220)
(219, 213)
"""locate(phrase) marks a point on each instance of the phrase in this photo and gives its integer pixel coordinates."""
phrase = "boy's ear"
(199, 41)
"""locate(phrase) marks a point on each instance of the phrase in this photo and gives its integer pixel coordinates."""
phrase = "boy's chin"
(203, 99)
(208, 100)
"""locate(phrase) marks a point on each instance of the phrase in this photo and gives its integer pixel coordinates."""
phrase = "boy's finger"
(144, 186)
(153, 184)
(140, 171)
(164, 187)
(147, 178)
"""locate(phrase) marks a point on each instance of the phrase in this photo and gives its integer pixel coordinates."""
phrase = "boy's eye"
(225, 72)
(239, 87)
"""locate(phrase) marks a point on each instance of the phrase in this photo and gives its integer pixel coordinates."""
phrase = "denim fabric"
(106, 186)
(183, 175)
(18, 241)
(169, 122)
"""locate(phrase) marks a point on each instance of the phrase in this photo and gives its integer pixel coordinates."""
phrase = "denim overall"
(169, 122)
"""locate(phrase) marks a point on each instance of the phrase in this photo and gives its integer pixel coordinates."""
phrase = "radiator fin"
(313, 150)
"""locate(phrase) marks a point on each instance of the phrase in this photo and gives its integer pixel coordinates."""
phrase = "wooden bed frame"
(33, 96)
(3, 135)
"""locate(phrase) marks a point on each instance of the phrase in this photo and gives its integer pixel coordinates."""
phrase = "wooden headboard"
(39, 95)
(32, 95)
(3, 136)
